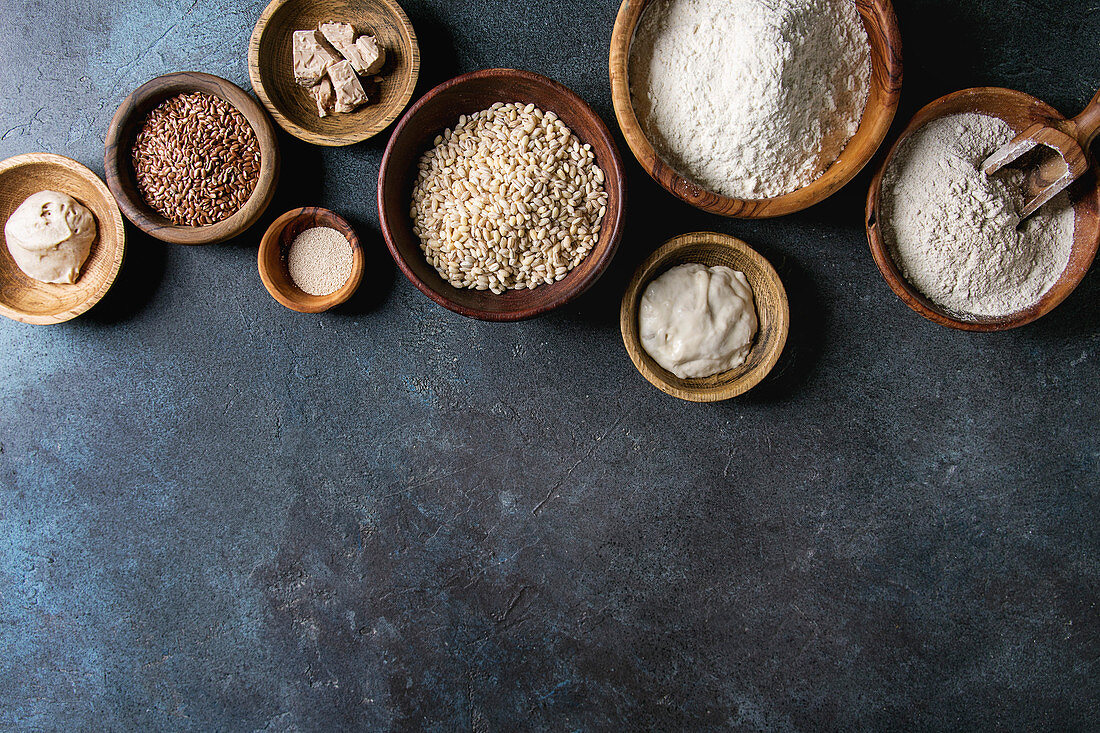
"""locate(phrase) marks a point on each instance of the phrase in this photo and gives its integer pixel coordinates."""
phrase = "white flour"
(952, 229)
(750, 98)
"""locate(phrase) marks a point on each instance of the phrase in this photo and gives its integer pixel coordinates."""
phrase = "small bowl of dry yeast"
(310, 259)
(191, 159)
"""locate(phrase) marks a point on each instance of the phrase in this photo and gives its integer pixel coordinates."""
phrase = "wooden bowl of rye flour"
(881, 28)
(1019, 111)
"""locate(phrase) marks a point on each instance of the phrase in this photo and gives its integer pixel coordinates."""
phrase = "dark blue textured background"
(216, 514)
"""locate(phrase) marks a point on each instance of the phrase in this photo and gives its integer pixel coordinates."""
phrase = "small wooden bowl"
(25, 299)
(273, 264)
(885, 39)
(440, 109)
(1019, 110)
(270, 67)
(127, 122)
(711, 249)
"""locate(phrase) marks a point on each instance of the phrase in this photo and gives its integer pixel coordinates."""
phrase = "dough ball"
(697, 321)
(50, 235)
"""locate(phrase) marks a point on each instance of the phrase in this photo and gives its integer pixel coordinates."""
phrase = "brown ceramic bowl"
(271, 70)
(25, 299)
(1019, 110)
(711, 249)
(440, 109)
(120, 172)
(272, 262)
(885, 39)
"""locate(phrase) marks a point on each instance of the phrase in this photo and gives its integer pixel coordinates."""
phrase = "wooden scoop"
(1061, 155)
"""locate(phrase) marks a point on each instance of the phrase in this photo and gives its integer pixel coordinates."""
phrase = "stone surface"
(217, 514)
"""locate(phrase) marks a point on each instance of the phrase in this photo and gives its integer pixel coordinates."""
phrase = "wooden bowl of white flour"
(755, 109)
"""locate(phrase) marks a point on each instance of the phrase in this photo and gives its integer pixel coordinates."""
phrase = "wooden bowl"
(440, 109)
(272, 261)
(711, 249)
(882, 31)
(127, 122)
(271, 71)
(25, 299)
(1019, 110)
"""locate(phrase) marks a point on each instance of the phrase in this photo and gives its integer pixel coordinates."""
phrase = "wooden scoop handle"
(1088, 122)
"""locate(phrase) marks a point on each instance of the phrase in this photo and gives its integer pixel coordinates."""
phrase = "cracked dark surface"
(217, 514)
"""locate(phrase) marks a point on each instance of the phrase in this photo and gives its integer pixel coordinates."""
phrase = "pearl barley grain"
(319, 260)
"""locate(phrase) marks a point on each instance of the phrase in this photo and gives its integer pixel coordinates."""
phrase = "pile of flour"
(952, 229)
(750, 98)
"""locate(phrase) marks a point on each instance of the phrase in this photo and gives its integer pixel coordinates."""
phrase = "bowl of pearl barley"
(501, 195)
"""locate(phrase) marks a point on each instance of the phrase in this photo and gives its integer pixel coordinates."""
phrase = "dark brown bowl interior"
(440, 109)
(1019, 110)
(119, 170)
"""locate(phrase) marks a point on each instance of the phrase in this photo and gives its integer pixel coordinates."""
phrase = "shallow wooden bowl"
(885, 39)
(272, 74)
(25, 299)
(711, 249)
(272, 260)
(127, 122)
(1019, 110)
(440, 109)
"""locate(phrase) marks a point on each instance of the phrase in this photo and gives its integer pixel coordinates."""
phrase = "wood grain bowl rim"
(610, 230)
(120, 176)
(282, 287)
(370, 128)
(884, 37)
(1081, 256)
(733, 382)
(115, 227)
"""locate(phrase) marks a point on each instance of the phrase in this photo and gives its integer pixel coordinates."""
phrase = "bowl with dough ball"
(801, 99)
(760, 348)
(49, 237)
(335, 72)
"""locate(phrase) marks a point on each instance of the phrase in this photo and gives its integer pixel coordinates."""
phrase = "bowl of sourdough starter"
(755, 108)
(769, 301)
(25, 299)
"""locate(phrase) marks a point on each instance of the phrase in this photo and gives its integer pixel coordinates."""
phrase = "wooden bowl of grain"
(271, 71)
(25, 299)
(122, 179)
(1019, 110)
(886, 74)
(439, 110)
(711, 249)
(272, 259)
